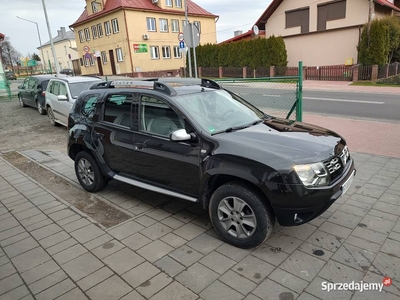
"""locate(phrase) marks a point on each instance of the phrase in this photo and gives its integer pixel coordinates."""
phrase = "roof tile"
(111, 5)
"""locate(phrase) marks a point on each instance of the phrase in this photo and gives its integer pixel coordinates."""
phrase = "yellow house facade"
(65, 48)
(137, 38)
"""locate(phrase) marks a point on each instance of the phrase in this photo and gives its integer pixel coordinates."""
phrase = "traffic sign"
(180, 36)
(181, 44)
(86, 48)
(192, 35)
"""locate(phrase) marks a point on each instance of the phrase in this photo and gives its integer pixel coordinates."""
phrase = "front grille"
(336, 164)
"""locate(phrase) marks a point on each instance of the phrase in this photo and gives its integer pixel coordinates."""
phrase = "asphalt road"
(379, 107)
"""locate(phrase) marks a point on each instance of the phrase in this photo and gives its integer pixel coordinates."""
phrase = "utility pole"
(51, 39)
(370, 17)
(188, 51)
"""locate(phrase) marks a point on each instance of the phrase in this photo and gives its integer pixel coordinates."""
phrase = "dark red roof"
(146, 5)
(388, 4)
(242, 36)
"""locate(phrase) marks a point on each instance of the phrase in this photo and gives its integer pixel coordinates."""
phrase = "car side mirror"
(180, 135)
(62, 98)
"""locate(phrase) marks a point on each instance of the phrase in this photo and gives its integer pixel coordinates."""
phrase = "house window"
(168, 2)
(177, 52)
(94, 31)
(175, 25)
(104, 57)
(100, 30)
(166, 52)
(86, 60)
(198, 25)
(178, 3)
(330, 11)
(87, 34)
(81, 37)
(81, 61)
(107, 28)
(184, 24)
(154, 52)
(151, 24)
(95, 7)
(91, 59)
(115, 26)
(298, 17)
(120, 56)
(163, 25)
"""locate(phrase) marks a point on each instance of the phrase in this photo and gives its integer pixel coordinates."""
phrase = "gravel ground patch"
(23, 128)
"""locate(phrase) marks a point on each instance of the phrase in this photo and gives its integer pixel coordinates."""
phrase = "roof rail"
(155, 85)
(204, 82)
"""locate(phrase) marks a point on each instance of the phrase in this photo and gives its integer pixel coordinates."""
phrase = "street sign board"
(180, 36)
(191, 35)
(31, 63)
(86, 48)
(181, 45)
(88, 55)
(140, 48)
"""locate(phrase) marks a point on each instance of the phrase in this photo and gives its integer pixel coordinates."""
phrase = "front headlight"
(312, 174)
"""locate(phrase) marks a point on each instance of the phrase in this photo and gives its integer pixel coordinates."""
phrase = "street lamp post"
(51, 38)
(40, 40)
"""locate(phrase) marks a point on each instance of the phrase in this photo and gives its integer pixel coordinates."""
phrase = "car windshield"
(78, 87)
(218, 110)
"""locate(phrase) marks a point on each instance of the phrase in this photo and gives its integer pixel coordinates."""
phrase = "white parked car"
(61, 94)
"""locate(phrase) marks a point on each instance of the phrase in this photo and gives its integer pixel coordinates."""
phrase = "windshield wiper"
(234, 128)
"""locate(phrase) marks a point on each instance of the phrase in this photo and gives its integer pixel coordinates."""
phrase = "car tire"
(40, 108)
(51, 116)
(241, 215)
(88, 173)
(21, 102)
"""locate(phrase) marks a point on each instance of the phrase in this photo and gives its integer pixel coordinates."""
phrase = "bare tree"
(9, 55)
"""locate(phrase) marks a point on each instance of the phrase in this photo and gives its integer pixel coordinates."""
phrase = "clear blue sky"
(234, 15)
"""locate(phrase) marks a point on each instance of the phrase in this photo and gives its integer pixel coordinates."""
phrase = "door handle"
(140, 146)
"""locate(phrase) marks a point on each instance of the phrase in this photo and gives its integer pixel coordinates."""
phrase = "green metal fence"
(277, 96)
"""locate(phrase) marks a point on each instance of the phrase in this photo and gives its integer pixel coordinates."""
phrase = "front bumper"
(314, 201)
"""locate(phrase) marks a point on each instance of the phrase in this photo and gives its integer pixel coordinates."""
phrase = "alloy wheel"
(21, 102)
(85, 172)
(236, 217)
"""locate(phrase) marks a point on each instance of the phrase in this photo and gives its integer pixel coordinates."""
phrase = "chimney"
(63, 33)
(58, 32)
(237, 32)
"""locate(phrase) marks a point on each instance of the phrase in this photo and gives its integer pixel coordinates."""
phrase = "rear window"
(78, 87)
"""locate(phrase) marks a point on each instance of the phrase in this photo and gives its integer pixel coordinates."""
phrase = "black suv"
(199, 142)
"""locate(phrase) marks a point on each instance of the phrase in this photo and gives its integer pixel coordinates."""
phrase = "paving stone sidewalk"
(169, 250)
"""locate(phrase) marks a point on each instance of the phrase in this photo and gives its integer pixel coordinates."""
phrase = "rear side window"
(118, 109)
(44, 84)
(54, 88)
(87, 106)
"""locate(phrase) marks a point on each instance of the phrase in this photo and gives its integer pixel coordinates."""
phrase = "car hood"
(295, 141)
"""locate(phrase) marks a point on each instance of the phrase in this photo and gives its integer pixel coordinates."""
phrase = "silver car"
(61, 94)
